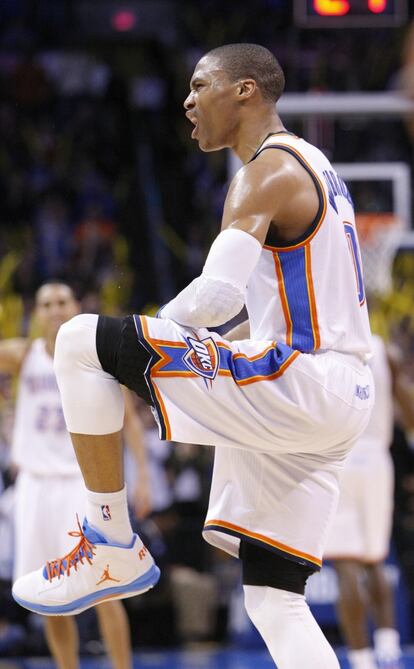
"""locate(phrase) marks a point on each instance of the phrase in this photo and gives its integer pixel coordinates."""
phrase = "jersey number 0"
(356, 259)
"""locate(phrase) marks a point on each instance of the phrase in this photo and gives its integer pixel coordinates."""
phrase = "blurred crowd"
(99, 179)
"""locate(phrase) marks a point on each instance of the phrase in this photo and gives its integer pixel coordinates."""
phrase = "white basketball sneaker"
(94, 571)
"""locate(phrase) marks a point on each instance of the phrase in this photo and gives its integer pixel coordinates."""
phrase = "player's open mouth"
(194, 121)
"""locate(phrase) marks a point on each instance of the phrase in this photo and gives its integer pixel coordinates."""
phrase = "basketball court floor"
(213, 659)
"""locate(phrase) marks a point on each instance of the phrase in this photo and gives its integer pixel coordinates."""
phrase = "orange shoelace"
(83, 551)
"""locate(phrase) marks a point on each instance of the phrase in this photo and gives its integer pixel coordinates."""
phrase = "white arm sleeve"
(218, 294)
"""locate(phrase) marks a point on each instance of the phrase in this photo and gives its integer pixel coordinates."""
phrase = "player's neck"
(253, 131)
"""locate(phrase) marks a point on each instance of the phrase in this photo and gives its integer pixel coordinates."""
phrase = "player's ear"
(246, 88)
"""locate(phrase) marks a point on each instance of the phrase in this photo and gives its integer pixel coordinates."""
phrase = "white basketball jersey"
(310, 293)
(41, 443)
(377, 437)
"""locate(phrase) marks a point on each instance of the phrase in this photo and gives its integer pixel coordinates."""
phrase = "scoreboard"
(350, 13)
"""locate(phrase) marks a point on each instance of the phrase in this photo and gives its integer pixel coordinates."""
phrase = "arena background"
(101, 185)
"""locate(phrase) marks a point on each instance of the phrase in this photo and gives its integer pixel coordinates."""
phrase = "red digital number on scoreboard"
(342, 7)
(350, 13)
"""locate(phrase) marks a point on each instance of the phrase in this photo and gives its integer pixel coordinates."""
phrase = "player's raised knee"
(75, 342)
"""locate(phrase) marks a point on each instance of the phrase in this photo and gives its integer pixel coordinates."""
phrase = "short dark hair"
(242, 61)
(56, 282)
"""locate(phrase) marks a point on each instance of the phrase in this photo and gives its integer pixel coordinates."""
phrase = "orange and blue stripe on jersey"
(294, 274)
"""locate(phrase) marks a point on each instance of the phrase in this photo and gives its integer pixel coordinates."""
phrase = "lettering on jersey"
(362, 392)
(336, 188)
(38, 382)
(106, 512)
(202, 357)
(142, 553)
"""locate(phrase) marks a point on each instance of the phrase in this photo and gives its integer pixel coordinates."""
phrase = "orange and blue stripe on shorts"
(263, 541)
(264, 366)
(168, 360)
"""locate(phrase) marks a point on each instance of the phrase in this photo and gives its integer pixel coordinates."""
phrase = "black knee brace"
(121, 353)
(266, 568)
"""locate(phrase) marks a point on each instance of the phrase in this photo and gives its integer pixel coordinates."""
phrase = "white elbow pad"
(218, 294)
(206, 302)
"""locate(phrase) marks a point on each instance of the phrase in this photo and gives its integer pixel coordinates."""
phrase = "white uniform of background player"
(49, 487)
(359, 539)
(362, 525)
(50, 490)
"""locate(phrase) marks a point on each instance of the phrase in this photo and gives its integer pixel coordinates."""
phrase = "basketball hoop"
(379, 237)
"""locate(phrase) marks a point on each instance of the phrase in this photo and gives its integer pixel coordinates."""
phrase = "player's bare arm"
(12, 354)
(266, 191)
(273, 189)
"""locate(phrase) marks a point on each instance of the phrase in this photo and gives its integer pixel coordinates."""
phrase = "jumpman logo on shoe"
(106, 577)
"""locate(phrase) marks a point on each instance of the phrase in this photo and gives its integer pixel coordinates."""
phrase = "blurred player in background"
(49, 487)
(359, 539)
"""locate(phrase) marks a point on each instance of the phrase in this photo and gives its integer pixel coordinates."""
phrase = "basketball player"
(283, 407)
(49, 488)
(360, 535)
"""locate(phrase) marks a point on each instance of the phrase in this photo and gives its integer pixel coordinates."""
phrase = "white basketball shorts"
(45, 511)
(255, 395)
(282, 423)
(361, 528)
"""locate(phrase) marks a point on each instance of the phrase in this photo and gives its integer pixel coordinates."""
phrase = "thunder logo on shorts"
(202, 357)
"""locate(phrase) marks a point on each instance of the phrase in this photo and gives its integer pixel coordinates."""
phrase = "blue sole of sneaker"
(138, 587)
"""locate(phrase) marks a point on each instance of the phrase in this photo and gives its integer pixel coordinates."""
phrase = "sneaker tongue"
(92, 534)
